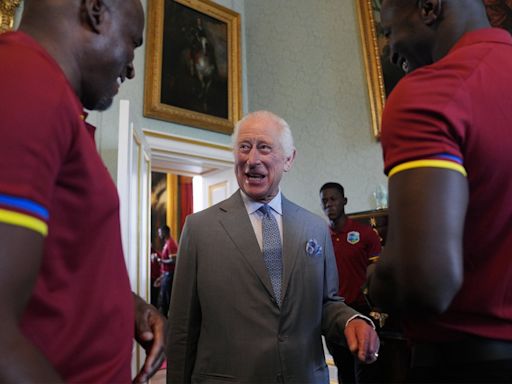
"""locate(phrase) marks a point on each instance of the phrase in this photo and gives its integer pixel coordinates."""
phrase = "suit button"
(279, 378)
(281, 338)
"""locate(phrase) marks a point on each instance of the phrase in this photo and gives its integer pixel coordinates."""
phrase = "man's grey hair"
(286, 138)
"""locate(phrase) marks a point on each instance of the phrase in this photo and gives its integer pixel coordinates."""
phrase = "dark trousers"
(473, 360)
(165, 293)
(155, 294)
(391, 366)
(345, 362)
(499, 371)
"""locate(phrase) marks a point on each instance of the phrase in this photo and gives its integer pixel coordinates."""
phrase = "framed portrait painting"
(381, 75)
(193, 74)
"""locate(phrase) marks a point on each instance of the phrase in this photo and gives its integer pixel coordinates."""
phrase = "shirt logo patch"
(353, 237)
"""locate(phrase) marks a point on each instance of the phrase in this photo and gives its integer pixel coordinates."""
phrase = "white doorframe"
(140, 152)
(133, 184)
(185, 156)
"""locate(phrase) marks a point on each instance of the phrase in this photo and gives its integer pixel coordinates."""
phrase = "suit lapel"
(293, 228)
(235, 221)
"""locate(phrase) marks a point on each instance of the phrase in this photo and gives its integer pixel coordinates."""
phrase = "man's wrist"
(362, 317)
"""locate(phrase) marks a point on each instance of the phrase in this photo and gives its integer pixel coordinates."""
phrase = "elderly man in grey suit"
(256, 281)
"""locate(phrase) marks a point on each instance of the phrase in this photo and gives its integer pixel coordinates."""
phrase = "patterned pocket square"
(313, 248)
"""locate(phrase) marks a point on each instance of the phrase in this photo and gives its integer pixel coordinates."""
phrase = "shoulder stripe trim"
(22, 220)
(25, 204)
(428, 163)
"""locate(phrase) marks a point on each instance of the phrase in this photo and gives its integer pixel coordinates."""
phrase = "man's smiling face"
(260, 159)
(410, 40)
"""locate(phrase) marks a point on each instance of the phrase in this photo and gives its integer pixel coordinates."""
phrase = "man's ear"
(430, 10)
(289, 161)
(93, 13)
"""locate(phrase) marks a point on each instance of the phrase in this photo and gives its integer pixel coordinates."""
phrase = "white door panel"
(133, 184)
(218, 186)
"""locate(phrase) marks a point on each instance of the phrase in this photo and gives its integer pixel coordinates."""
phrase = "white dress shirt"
(256, 216)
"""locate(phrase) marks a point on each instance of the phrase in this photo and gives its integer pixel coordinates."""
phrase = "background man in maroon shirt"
(355, 247)
(167, 260)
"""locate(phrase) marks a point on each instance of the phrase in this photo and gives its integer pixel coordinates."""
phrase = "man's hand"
(158, 282)
(362, 340)
(150, 329)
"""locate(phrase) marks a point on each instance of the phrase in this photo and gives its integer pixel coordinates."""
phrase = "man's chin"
(261, 196)
(103, 104)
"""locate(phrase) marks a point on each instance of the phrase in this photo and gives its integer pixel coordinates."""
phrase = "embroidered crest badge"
(353, 237)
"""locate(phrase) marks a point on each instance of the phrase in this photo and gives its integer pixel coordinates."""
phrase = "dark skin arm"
(20, 361)
(150, 327)
(421, 267)
(20, 257)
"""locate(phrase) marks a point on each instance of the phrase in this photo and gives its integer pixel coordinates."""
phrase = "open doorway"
(206, 168)
(186, 177)
(171, 202)
(141, 152)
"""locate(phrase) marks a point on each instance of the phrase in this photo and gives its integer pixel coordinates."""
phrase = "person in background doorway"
(167, 260)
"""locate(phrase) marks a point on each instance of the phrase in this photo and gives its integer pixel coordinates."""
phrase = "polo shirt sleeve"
(425, 120)
(35, 133)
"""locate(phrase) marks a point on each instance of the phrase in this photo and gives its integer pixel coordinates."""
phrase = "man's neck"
(338, 224)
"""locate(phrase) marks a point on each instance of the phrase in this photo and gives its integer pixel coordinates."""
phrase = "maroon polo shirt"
(459, 109)
(80, 314)
(353, 247)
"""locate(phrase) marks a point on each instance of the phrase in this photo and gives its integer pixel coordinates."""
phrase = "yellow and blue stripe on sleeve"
(23, 213)
(431, 163)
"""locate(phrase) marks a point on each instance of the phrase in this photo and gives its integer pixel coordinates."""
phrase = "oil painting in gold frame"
(193, 74)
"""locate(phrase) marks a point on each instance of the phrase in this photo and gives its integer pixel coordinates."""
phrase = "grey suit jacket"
(226, 327)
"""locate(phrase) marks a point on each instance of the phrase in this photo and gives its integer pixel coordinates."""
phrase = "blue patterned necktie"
(272, 250)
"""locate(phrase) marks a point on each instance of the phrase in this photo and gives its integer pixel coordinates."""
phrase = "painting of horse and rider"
(194, 65)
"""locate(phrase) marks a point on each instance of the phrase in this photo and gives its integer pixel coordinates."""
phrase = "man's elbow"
(435, 297)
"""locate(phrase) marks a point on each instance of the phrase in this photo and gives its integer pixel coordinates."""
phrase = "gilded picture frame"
(193, 70)
(7, 12)
(381, 75)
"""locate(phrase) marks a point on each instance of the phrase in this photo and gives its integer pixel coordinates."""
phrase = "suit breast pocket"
(314, 250)
(313, 258)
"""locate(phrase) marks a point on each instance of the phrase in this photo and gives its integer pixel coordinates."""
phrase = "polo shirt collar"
(497, 35)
